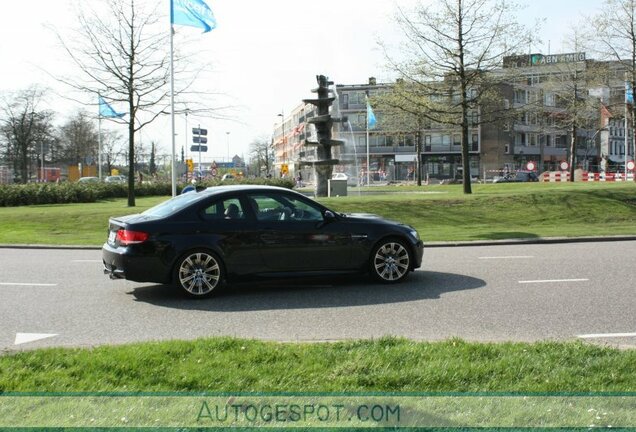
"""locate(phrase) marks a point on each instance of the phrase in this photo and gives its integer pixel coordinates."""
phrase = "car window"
(225, 209)
(280, 207)
(172, 205)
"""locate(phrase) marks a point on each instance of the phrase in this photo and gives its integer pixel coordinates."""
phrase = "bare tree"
(451, 48)
(122, 53)
(261, 155)
(25, 130)
(112, 149)
(615, 31)
(78, 139)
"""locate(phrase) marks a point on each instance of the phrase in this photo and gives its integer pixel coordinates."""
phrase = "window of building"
(520, 96)
(457, 139)
(548, 99)
(520, 139)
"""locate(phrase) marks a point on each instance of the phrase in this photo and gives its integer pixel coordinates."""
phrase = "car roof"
(214, 190)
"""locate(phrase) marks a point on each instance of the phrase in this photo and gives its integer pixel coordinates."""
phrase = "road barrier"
(556, 176)
(564, 176)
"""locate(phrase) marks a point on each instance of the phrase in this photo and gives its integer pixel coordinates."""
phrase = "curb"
(504, 242)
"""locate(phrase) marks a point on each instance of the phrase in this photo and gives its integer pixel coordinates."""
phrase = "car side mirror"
(329, 216)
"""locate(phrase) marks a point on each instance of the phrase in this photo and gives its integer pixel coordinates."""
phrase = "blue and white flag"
(371, 121)
(193, 13)
(629, 93)
(107, 111)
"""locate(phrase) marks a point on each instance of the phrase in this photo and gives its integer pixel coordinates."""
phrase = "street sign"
(564, 166)
(199, 131)
(530, 166)
(630, 165)
(199, 140)
(199, 148)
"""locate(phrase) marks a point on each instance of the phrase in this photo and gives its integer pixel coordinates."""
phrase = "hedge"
(67, 192)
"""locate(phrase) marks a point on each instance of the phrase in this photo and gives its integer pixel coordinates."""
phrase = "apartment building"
(537, 94)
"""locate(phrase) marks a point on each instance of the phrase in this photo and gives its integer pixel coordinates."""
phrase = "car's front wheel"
(199, 273)
(390, 261)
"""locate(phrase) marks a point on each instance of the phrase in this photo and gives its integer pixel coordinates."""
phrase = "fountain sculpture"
(323, 122)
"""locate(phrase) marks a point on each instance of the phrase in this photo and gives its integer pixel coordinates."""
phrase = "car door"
(295, 237)
(232, 230)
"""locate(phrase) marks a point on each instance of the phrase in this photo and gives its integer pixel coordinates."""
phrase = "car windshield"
(172, 206)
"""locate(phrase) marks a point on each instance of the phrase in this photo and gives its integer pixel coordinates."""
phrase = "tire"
(199, 273)
(390, 261)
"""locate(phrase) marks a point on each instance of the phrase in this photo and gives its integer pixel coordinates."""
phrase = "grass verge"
(439, 213)
(384, 365)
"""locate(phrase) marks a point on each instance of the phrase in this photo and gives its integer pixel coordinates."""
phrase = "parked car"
(115, 179)
(88, 180)
(227, 176)
(199, 241)
(517, 177)
(351, 181)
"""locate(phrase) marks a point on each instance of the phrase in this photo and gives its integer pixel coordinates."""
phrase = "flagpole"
(99, 138)
(172, 131)
(368, 159)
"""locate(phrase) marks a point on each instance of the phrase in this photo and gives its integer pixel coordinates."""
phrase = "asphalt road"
(486, 293)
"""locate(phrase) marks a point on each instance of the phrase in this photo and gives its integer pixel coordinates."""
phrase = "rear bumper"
(130, 264)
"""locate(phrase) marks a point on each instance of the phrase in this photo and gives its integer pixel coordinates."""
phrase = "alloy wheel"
(199, 274)
(391, 262)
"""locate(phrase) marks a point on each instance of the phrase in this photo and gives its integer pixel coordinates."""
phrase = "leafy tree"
(451, 48)
(615, 35)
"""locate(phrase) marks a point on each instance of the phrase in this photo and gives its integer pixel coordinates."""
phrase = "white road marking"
(87, 261)
(507, 257)
(552, 281)
(22, 338)
(606, 335)
(26, 284)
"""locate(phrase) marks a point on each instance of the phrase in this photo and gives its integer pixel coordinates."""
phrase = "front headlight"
(414, 234)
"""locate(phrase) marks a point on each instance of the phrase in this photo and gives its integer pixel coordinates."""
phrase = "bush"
(67, 192)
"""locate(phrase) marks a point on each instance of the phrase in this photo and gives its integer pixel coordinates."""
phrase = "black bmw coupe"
(202, 239)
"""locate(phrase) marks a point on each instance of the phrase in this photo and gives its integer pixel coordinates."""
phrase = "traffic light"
(190, 165)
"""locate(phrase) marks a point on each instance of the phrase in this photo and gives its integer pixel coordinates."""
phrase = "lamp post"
(282, 132)
(42, 167)
(227, 139)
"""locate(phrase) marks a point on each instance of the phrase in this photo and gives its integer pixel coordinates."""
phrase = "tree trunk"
(572, 158)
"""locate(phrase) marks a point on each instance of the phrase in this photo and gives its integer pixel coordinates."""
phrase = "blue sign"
(196, 148)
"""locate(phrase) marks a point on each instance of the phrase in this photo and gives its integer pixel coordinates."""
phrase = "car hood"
(370, 217)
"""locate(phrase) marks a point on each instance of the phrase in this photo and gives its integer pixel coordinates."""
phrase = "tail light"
(127, 237)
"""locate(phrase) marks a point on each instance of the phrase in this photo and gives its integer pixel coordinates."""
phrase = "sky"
(264, 56)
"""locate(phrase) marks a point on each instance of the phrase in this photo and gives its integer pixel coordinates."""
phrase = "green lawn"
(386, 365)
(439, 213)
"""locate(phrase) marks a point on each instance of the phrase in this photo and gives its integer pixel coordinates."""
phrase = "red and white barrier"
(556, 176)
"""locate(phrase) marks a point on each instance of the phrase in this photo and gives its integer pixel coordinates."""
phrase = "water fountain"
(323, 122)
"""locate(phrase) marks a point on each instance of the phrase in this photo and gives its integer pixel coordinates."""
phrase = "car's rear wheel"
(198, 273)
(390, 261)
